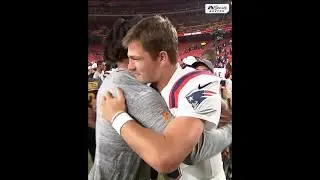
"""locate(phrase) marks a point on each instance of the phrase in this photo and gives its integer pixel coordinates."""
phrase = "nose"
(131, 65)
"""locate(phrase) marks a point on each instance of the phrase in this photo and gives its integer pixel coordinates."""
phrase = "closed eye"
(134, 58)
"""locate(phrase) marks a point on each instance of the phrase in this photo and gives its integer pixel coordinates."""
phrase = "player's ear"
(163, 56)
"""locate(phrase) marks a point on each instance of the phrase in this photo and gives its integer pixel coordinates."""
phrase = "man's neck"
(122, 66)
(165, 78)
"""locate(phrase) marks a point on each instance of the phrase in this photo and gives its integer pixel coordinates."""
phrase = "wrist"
(119, 120)
(116, 115)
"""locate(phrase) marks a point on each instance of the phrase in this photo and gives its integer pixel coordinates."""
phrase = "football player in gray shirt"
(115, 160)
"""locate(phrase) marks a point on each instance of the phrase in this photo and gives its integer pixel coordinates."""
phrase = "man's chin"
(142, 81)
(138, 78)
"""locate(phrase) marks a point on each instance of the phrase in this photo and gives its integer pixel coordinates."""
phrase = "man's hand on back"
(112, 105)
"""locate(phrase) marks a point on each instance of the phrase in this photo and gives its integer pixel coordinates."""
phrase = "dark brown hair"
(113, 50)
(156, 34)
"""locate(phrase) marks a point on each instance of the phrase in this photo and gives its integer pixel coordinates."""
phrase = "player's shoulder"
(198, 74)
(107, 85)
(125, 78)
(147, 95)
(199, 80)
(204, 77)
(117, 76)
(146, 99)
(131, 87)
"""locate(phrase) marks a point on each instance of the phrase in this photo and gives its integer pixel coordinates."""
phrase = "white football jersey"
(196, 94)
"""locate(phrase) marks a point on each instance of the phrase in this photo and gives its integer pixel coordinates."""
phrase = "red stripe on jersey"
(180, 83)
(208, 93)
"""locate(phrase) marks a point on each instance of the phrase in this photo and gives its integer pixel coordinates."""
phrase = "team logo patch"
(166, 116)
(196, 98)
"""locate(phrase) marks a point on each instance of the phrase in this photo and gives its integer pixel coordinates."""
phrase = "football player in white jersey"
(192, 96)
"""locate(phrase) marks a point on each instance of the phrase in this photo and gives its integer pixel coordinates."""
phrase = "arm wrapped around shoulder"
(210, 144)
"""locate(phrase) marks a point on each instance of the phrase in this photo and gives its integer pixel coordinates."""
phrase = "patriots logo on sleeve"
(196, 98)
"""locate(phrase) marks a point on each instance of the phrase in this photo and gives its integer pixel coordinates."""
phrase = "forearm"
(210, 144)
(164, 152)
(149, 145)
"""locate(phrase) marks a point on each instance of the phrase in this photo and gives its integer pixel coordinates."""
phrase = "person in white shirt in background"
(228, 86)
(90, 70)
(100, 70)
(188, 61)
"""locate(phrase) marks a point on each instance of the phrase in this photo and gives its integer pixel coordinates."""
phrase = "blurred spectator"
(100, 70)
(211, 55)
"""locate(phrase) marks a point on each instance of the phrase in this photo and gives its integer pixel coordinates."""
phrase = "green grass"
(89, 162)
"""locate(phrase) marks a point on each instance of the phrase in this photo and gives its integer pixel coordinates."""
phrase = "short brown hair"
(156, 34)
(211, 55)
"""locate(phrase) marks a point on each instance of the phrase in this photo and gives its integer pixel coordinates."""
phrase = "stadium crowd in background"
(217, 58)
